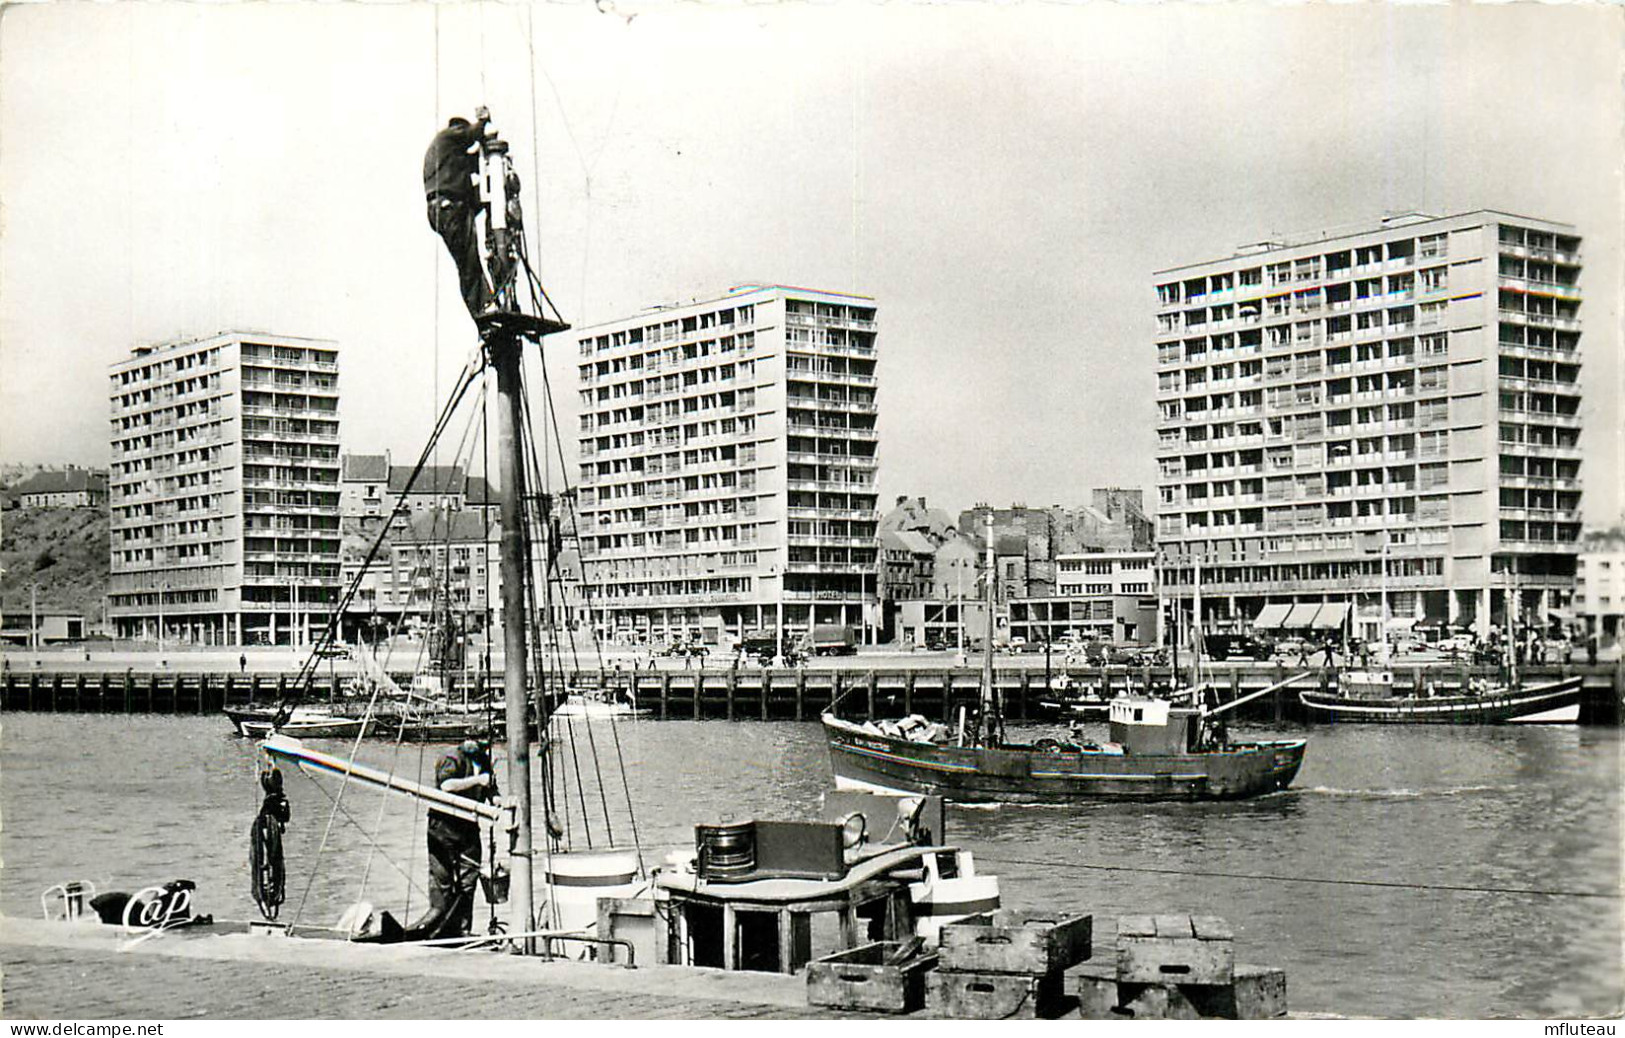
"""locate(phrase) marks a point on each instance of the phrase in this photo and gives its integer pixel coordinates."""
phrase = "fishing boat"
(544, 866)
(1156, 750)
(1368, 697)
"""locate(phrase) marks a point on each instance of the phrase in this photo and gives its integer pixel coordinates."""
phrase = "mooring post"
(665, 694)
(730, 686)
(908, 692)
(694, 687)
(947, 697)
(871, 695)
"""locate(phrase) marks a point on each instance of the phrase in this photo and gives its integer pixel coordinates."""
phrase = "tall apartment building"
(727, 453)
(224, 490)
(1407, 394)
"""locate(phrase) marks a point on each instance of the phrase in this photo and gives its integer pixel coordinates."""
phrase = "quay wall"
(755, 694)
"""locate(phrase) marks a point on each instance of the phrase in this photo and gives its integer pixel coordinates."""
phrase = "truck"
(834, 640)
(761, 644)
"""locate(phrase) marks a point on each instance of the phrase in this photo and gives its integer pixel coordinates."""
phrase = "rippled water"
(126, 801)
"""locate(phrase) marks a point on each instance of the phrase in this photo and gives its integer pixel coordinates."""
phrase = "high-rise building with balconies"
(727, 453)
(1403, 398)
(224, 490)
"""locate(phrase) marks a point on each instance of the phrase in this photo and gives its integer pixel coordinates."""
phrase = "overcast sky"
(1002, 179)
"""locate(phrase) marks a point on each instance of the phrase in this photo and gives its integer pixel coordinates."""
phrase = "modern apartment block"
(727, 464)
(1407, 395)
(224, 490)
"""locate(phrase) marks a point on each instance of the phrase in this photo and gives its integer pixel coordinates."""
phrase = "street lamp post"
(33, 617)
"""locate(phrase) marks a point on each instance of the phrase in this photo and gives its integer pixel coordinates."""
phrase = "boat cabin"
(1153, 727)
(1366, 684)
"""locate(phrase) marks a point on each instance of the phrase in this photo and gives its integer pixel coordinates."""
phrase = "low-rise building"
(71, 487)
(1600, 583)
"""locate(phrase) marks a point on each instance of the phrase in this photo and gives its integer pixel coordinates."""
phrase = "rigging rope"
(1323, 880)
(267, 871)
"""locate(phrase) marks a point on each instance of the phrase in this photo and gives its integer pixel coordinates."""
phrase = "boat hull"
(861, 759)
(328, 728)
(1556, 702)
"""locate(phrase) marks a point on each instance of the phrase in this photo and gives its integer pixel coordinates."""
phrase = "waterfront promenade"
(88, 971)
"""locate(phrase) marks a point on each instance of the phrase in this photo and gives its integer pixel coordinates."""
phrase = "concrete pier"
(89, 971)
(759, 694)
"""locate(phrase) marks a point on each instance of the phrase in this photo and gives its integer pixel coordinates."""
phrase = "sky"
(1003, 178)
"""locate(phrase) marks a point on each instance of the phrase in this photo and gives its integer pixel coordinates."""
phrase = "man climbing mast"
(504, 329)
(473, 197)
(450, 168)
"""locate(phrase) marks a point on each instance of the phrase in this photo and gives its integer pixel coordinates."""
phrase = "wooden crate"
(864, 978)
(1007, 942)
(1175, 949)
(1256, 993)
(994, 996)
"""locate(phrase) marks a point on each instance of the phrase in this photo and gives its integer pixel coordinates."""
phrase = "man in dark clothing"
(450, 168)
(454, 843)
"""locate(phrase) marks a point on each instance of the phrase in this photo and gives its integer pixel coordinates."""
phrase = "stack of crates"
(1005, 966)
(1176, 967)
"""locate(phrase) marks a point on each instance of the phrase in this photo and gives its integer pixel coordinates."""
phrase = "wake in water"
(1393, 794)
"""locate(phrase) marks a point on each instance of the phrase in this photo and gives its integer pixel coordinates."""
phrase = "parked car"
(1289, 649)
(1227, 646)
(1455, 645)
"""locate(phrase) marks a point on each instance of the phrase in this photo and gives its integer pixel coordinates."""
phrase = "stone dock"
(752, 694)
(88, 971)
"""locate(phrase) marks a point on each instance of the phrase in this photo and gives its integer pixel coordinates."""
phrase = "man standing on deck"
(454, 843)
(450, 169)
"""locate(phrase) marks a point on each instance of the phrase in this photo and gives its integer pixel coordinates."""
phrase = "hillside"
(64, 550)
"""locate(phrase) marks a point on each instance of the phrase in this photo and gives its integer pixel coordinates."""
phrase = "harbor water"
(1409, 872)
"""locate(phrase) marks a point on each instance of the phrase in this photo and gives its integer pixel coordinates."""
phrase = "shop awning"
(1271, 616)
(1302, 615)
(1332, 615)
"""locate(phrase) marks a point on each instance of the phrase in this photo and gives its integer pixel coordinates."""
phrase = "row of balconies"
(1541, 450)
(839, 378)
(1539, 482)
(832, 431)
(1563, 421)
(1540, 385)
(839, 406)
(1526, 252)
(1550, 515)
(1551, 288)
(1567, 324)
(821, 321)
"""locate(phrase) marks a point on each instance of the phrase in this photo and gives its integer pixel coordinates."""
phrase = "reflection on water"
(1523, 817)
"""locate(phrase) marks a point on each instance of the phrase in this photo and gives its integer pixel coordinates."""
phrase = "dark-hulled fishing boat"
(1157, 750)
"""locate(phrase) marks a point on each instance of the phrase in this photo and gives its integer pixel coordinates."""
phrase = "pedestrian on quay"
(454, 843)
(1591, 650)
(1304, 650)
(242, 663)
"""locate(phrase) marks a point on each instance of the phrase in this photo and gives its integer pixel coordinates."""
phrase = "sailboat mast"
(504, 353)
(990, 710)
(1196, 621)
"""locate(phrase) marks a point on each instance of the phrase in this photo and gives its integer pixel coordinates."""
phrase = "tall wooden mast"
(504, 335)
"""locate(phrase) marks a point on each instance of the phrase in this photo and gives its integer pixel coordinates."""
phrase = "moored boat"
(599, 704)
(316, 727)
(1552, 702)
